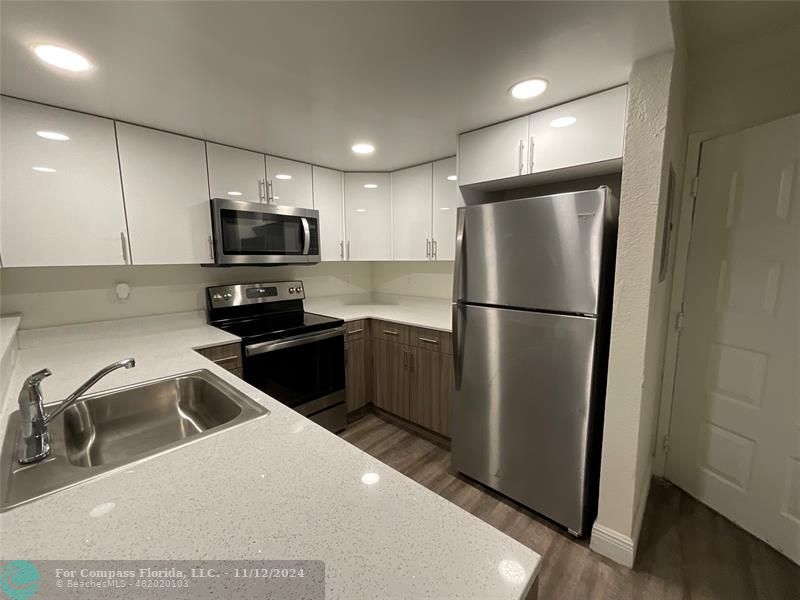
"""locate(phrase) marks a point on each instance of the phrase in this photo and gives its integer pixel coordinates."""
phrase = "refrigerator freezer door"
(536, 253)
(521, 406)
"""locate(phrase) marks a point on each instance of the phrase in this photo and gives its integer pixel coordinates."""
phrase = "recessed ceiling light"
(53, 135)
(62, 58)
(563, 122)
(528, 88)
(370, 186)
(234, 193)
(282, 176)
(363, 148)
(44, 169)
(451, 178)
(361, 210)
(444, 208)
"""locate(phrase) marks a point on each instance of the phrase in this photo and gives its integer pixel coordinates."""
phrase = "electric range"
(294, 356)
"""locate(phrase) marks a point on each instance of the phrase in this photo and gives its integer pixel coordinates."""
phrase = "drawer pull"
(390, 332)
(236, 356)
(355, 331)
(429, 340)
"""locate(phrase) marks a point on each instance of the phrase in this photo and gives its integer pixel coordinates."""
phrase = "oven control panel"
(224, 296)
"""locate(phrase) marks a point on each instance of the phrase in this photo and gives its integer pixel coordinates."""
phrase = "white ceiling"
(308, 79)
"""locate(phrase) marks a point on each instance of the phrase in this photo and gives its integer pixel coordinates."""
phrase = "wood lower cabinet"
(391, 376)
(227, 356)
(355, 364)
(431, 390)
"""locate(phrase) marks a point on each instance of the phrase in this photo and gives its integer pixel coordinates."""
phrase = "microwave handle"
(306, 235)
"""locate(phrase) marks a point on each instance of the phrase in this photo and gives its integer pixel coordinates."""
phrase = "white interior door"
(735, 430)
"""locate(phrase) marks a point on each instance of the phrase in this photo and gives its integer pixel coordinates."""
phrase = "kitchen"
(369, 288)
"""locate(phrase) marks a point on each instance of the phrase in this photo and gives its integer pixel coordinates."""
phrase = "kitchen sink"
(114, 428)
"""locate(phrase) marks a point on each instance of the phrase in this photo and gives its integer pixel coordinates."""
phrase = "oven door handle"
(306, 235)
(291, 342)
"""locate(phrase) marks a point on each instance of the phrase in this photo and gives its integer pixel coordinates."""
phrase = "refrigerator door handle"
(460, 223)
(457, 358)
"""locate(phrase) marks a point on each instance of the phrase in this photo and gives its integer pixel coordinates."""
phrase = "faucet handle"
(37, 377)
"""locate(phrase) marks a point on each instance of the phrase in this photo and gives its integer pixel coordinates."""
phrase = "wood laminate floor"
(686, 550)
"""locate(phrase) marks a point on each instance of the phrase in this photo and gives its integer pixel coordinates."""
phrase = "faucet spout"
(35, 435)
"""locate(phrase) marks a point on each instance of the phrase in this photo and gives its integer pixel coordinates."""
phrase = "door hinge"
(679, 320)
(665, 443)
(695, 183)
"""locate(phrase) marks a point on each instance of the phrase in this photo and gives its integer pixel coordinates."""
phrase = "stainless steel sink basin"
(112, 429)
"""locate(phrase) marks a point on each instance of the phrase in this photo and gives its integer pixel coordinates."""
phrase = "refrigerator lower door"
(522, 405)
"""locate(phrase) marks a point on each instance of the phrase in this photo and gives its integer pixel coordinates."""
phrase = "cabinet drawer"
(431, 339)
(227, 356)
(355, 330)
(384, 330)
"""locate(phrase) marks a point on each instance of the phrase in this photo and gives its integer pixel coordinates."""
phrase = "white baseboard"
(617, 546)
(614, 545)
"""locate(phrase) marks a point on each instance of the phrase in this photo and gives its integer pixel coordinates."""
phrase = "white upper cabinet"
(329, 201)
(368, 216)
(411, 213)
(446, 200)
(166, 196)
(494, 152)
(60, 194)
(236, 174)
(289, 182)
(589, 130)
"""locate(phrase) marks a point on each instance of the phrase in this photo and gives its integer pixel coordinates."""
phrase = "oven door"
(305, 372)
(252, 233)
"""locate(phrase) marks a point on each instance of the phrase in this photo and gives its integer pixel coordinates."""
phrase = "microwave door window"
(245, 232)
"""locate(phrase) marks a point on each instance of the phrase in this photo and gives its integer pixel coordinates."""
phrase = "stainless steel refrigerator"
(531, 307)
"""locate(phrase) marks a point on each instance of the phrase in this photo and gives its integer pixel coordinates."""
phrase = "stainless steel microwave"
(249, 233)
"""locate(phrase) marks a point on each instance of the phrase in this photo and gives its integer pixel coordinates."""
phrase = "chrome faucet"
(35, 436)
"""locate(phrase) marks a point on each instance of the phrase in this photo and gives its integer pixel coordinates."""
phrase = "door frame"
(691, 174)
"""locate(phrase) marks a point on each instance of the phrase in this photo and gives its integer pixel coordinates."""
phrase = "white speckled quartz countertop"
(432, 313)
(276, 487)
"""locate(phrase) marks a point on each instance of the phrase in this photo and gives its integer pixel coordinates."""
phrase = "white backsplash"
(65, 295)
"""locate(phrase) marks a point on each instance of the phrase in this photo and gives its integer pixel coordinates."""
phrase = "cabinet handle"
(427, 248)
(348, 249)
(521, 161)
(219, 360)
(270, 193)
(435, 250)
(355, 331)
(124, 242)
(211, 247)
(405, 359)
(411, 360)
(429, 340)
(341, 250)
(390, 332)
(531, 146)
(262, 190)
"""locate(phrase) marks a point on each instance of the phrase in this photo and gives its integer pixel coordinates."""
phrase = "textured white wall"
(639, 300)
(63, 295)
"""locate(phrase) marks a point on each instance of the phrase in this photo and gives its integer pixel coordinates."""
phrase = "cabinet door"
(493, 152)
(432, 390)
(391, 371)
(60, 199)
(236, 174)
(355, 360)
(411, 213)
(368, 216)
(164, 180)
(329, 201)
(446, 200)
(290, 182)
(585, 131)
